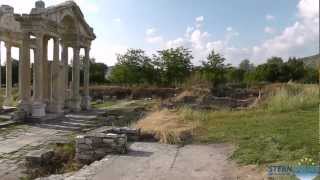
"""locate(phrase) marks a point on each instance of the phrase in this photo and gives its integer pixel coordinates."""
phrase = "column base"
(86, 103)
(24, 106)
(8, 101)
(55, 108)
(75, 104)
(23, 112)
(38, 110)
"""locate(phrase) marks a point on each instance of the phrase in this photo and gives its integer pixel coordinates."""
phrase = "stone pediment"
(69, 11)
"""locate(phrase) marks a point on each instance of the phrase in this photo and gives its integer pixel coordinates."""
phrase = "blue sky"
(254, 29)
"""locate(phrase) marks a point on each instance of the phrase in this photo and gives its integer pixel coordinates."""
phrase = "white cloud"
(200, 19)
(117, 20)
(152, 37)
(229, 28)
(295, 39)
(151, 31)
(269, 30)
(106, 53)
(270, 17)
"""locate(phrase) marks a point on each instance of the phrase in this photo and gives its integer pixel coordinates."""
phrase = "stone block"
(80, 139)
(39, 158)
(84, 147)
(88, 140)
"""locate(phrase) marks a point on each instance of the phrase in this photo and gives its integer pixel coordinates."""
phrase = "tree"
(295, 69)
(246, 65)
(235, 75)
(98, 72)
(174, 65)
(133, 67)
(214, 68)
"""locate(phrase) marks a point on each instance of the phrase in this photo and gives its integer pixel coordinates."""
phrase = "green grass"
(274, 132)
(103, 105)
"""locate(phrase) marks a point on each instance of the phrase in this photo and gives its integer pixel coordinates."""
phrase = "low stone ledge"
(132, 134)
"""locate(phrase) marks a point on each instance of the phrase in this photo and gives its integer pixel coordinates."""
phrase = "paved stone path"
(153, 161)
(17, 141)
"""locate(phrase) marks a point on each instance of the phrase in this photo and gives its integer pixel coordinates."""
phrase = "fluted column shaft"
(86, 98)
(76, 79)
(0, 68)
(46, 76)
(65, 73)
(24, 70)
(8, 100)
(24, 76)
(38, 107)
(56, 105)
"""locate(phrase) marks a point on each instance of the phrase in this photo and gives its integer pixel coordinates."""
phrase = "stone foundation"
(92, 147)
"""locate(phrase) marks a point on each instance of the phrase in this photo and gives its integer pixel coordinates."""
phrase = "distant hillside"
(312, 61)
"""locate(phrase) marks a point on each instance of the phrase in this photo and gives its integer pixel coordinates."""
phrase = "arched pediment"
(69, 10)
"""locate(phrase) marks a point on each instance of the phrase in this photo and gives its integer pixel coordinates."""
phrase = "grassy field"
(285, 128)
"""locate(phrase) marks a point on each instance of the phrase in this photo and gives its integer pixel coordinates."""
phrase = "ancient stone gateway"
(46, 90)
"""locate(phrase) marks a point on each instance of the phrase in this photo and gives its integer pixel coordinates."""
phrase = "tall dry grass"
(292, 96)
(167, 126)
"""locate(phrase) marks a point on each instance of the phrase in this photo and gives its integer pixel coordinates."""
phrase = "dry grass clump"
(167, 127)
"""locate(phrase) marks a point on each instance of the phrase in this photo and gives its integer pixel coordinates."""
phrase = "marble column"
(65, 75)
(56, 104)
(24, 75)
(8, 99)
(46, 77)
(0, 69)
(86, 98)
(38, 107)
(76, 99)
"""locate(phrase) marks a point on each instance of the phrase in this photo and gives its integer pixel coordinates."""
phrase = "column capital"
(76, 50)
(8, 44)
(87, 48)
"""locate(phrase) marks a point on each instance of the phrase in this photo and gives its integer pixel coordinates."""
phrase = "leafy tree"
(235, 75)
(133, 67)
(246, 65)
(311, 75)
(98, 72)
(295, 68)
(214, 68)
(174, 65)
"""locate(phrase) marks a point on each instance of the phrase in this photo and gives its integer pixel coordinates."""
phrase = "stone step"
(59, 127)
